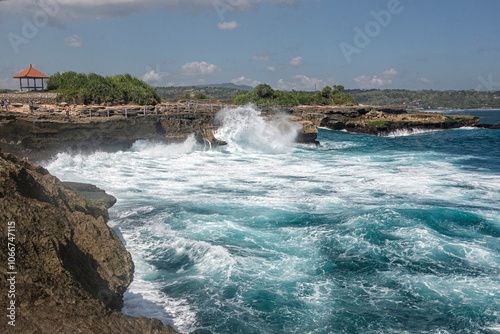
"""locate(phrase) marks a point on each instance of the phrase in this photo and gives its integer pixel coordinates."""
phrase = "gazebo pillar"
(30, 73)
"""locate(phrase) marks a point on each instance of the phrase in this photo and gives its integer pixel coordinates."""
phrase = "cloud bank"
(71, 9)
(199, 68)
(303, 82)
(385, 78)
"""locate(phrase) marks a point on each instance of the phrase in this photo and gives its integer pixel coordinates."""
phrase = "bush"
(200, 96)
(96, 89)
(264, 94)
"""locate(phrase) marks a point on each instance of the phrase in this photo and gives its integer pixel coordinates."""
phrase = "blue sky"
(289, 44)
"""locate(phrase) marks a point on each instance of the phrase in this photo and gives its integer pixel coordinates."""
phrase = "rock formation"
(43, 135)
(378, 121)
(112, 128)
(66, 270)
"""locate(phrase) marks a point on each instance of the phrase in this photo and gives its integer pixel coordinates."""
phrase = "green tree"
(325, 92)
(201, 96)
(264, 91)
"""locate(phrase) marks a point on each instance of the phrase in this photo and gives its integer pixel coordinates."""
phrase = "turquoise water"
(364, 234)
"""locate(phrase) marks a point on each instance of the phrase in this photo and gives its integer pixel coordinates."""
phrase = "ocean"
(363, 234)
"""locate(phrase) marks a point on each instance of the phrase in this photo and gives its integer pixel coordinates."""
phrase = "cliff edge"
(66, 270)
(378, 121)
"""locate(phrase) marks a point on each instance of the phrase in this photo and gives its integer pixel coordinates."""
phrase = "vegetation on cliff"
(95, 89)
(264, 94)
(428, 99)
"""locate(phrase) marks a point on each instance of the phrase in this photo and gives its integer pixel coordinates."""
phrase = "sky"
(289, 44)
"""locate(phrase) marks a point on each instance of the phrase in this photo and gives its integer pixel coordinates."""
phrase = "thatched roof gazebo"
(31, 73)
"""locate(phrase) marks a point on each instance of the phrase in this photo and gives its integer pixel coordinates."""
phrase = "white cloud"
(244, 81)
(9, 83)
(228, 25)
(425, 80)
(297, 61)
(302, 82)
(383, 79)
(271, 68)
(73, 41)
(263, 55)
(151, 77)
(68, 9)
(199, 68)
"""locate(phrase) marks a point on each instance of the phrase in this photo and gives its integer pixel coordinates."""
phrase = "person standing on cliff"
(67, 110)
(6, 104)
(1, 103)
(31, 107)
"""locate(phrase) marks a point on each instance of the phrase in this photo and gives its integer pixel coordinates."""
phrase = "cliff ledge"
(67, 270)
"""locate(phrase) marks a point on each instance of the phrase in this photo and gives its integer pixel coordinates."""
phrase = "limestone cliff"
(378, 120)
(70, 268)
(42, 135)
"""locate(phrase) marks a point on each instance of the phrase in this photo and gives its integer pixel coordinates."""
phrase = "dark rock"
(491, 126)
(71, 268)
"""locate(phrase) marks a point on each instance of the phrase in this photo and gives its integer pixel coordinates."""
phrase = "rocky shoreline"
(379, 121)
(72, 269)
(110, 128)
(67, 269)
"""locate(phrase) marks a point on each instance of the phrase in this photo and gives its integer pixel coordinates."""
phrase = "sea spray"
(364, 234)
(244, 129)
(408, 132)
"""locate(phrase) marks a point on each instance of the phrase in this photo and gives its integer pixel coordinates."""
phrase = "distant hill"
(428, 99)
(215, 91)
(229, 85)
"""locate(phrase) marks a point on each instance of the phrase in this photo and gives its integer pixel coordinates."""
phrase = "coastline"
(54, 133)
(49, 130)
(68, 270)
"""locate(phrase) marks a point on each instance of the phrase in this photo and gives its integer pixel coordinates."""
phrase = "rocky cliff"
(66, 270)
(378, 121)
(48, 131)
(110, 128)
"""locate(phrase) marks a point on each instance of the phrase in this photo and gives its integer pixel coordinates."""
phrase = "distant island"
(413, 99)
(428, 99)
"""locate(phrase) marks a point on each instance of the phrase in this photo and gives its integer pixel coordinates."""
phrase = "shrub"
(201, 96)
(96, 89)
(264, 94)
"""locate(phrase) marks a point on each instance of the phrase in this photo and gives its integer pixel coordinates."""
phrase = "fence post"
(144, 110)
(108, 114)
(90, 114)
(126, 116)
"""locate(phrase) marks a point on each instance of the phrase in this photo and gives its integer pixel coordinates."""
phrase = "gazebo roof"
(31, 72)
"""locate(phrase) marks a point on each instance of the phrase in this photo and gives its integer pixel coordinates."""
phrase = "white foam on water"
(244, 129)
(147, 149)
(409, 132)
(144, 298)
(232, 213)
